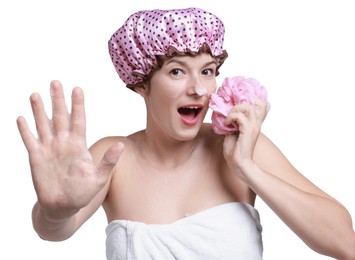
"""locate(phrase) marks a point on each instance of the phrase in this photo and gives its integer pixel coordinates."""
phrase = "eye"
(176, 72)
(208, 72)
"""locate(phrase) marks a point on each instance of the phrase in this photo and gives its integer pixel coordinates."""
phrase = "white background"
(301, 51)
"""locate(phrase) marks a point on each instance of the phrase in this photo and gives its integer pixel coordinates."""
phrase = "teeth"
(193, 107)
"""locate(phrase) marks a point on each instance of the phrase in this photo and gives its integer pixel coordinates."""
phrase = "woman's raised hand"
(239, 148)
(63, 172)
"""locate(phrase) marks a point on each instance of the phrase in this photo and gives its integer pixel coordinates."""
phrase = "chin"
(188, 134)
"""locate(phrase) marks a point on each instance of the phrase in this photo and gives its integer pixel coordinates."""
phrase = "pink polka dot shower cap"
(145, 34)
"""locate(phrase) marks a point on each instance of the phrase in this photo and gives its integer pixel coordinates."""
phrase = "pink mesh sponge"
(145, 34)
(234, 90)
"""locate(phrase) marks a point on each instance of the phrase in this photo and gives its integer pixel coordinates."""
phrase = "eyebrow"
(183, 63)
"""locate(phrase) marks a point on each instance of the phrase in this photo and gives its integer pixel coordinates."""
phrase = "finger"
(59, 109)
(249, 110)
(240, 111)
(41, 119)
(244, 108)
(262, 109)
(239, 117)
(28, 138)
(78, 121)
(110, 159)
(233, 117)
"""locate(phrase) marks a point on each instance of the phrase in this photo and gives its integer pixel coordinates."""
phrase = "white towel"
(230, 231)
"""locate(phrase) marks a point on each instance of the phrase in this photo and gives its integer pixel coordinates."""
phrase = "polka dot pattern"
(155, 32)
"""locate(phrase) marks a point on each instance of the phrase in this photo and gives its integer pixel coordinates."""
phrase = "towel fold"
(228, 231)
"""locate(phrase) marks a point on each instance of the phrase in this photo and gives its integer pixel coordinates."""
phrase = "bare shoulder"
(98, 149)
(266, 151)
(271, 159)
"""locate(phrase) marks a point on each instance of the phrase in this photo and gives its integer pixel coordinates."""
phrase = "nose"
(197, 87)
(201, 90)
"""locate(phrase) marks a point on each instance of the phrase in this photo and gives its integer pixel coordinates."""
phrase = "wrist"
(245, 168)
(52, 226)
(50, 218)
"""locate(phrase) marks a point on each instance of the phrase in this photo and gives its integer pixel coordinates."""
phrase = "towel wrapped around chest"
(228, 231)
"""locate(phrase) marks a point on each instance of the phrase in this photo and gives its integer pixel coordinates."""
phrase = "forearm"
(322, 223)
(52, 228)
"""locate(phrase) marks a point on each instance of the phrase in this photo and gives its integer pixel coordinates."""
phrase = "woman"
(175, 190)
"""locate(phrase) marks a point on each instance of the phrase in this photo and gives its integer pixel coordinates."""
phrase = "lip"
(189, 119)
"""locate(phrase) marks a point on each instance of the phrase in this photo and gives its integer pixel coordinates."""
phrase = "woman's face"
(173, 106)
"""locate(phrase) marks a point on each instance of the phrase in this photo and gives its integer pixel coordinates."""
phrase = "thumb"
(110, 158)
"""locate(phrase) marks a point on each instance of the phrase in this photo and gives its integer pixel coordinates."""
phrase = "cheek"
(160, 102)
(164, 95)
(214, 87)
(160, 111)
(171, 92)
(163, 88)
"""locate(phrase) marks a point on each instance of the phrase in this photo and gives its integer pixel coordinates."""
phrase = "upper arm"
(97, 151)
(269, 157)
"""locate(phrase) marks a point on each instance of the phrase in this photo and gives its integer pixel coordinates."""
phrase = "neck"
(166, 152)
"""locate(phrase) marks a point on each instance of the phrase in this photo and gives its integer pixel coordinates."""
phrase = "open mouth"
(189, 112)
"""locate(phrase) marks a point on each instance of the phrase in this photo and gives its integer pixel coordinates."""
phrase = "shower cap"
(146, 34)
